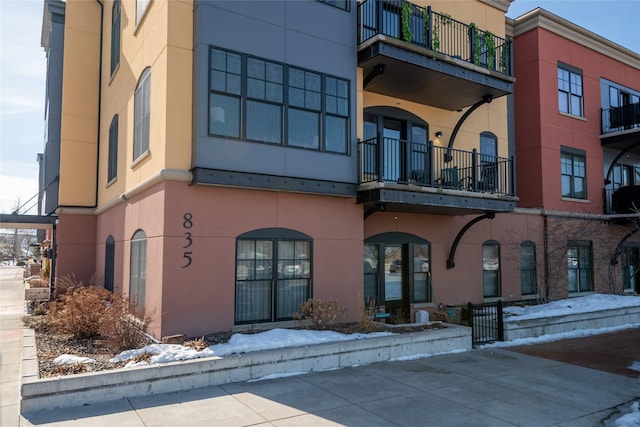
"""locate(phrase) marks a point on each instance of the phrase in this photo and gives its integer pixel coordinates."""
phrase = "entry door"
(396, 289)
(392, 135)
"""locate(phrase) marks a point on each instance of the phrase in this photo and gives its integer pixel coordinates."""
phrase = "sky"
(281, 338)
(23, 68)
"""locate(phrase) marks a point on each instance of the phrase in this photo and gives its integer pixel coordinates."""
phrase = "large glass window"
(574, 173)
(142, 114)
(259, 100)
(528, 268)
(579, 267)
(112, 167)
(570, 90)
(115, 35)
(138, 269)
(491, 269)
(273, 275)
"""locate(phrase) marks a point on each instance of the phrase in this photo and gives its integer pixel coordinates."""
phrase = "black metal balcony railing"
(397, 161)
(437, 32)
(617, 119)
(623, 200)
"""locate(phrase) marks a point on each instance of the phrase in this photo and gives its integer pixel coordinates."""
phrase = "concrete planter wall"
(514, 329)
(75, 390)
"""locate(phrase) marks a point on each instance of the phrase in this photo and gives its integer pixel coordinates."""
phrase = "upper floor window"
(579, 267)
(259, 100)
(112, 168)
(491, 269)
(115, 35)
(570, 90)
(342, 4)
(573, 169)
(141, 8)
(142, 112)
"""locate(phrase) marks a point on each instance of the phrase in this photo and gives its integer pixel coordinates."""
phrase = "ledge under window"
(140, 158)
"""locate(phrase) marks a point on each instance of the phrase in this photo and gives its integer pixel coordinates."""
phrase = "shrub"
(94, 312)
(63, 284)
(321, 313)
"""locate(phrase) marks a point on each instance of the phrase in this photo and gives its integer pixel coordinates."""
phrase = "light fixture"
(438, 134)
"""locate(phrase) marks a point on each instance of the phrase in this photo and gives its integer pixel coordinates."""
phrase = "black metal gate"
(486, 322)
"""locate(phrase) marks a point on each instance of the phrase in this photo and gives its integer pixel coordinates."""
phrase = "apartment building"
(577, 112)
(221, 162)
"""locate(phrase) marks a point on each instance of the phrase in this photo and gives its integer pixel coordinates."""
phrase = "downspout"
(95, 204)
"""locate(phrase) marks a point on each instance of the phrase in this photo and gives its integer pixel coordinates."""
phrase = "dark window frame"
(109, 263)
(116, 14)
(287, 107)
(282, 273)
(498, 275)
(569, 88)
(112, 165)
(583, 266)
(528, 272)
(569, 168)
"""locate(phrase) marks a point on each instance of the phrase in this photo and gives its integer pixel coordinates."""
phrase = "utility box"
(422, 316)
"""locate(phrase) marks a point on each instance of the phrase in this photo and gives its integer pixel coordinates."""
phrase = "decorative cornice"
(541, 18)
(503, 5)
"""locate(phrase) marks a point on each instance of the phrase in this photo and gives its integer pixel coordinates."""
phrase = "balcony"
(623, 201)
(620, 128)
(403, 176)
(414, 53)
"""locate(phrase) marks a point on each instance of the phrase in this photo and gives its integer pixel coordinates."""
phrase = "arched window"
(109, 263)
(274, 272)
(528, 280)
(491, 269)
(138, 272)
(142, 113)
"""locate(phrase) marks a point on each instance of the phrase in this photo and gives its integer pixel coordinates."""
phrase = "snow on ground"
(587, 304)
(69, 359)
(242, 343)
(280, 338)
(631, 417)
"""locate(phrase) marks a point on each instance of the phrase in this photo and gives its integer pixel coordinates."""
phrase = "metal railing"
(435, 31)
(487, 320)
(402, 162)
(622, 200)
(617, 119)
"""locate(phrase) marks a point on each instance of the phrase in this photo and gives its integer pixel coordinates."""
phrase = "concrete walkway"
(11, 311)
(489, 387)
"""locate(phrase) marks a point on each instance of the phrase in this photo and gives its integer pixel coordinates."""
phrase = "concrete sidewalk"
(489, 387)
(11, 311)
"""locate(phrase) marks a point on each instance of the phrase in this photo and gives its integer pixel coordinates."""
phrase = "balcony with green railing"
(409, 176)
(405, 48)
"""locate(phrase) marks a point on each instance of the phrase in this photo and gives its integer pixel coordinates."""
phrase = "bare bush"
(322, 314)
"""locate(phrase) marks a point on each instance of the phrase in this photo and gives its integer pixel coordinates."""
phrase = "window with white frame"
(142, 113)
(141, 8)
(138, 269)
